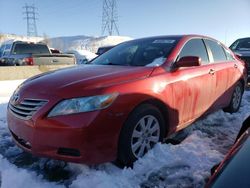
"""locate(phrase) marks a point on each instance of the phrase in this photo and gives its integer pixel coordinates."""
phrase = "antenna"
(30, 16)
(109, 17)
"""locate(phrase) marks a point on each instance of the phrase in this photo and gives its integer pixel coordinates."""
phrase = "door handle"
(211, 71)
(235, 66)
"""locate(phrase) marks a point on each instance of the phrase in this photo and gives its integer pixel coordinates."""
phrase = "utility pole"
(30, 16)
(109, 17)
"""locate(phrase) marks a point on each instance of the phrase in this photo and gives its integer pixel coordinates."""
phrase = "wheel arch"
(161, 106)
(242, 81)
(156, 104)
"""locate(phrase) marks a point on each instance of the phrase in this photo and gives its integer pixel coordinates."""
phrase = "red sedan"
(127, 100)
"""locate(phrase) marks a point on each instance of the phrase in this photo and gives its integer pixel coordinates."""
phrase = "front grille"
(26, 108)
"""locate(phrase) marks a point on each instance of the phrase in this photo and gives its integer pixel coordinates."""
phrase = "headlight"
(84, 104)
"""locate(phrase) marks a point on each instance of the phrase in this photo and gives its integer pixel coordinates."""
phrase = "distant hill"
(85, 42)
(67, 43)
(5, 37)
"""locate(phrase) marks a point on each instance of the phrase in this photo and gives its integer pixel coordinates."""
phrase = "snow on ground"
(186, 164)
(7, 88)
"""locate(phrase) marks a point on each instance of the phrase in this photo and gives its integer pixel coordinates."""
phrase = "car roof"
(177, 36)
(246, 38)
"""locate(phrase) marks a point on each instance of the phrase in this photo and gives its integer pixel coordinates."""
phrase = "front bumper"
(89, 138)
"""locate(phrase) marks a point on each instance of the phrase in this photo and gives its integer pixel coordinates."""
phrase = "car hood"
(78, 80)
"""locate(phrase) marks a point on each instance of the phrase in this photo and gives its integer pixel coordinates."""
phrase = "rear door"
(224, 70)
(192, 87)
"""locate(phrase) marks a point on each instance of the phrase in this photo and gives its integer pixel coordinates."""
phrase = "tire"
(144, 127)
(235, 99)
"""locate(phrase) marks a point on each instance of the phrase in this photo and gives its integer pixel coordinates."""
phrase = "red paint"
(187, 93)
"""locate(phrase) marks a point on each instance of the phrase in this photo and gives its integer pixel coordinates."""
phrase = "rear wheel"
(235, 99)
(143, 129)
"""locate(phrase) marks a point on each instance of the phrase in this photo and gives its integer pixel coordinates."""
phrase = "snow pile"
(85, 42)
(15, 177)
(68, 43)
(6, 37)
(187, 164)
(65, 43)
(94, 43)
(202, 145)
(8, 87)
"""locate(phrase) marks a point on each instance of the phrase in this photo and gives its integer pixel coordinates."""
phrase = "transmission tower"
(109, 17)
(30, 16)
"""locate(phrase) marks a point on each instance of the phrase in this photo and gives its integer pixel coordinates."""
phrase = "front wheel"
(235, 99)
(143, 129)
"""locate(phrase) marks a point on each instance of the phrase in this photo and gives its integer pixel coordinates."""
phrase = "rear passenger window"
(217, 51)
(229, 55)
(195, 47)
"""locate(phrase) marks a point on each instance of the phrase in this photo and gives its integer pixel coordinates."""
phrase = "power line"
(30, 16)
(109, 17)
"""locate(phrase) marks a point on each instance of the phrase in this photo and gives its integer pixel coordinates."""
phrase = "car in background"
(241, 47)
(54, 51)
(103, 49)
(82, 56)
(16, 53)
(127, 100)
(234, 170)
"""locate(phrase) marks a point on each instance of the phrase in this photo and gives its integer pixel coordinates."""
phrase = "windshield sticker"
(164, 41)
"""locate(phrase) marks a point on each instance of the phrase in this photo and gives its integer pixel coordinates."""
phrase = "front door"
(191, 87)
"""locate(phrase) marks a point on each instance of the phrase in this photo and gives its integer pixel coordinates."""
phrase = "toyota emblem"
(15, 98)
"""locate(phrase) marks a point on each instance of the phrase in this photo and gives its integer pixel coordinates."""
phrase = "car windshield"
(24, 48)
(1, 50)
(142, 52)
(241, 44)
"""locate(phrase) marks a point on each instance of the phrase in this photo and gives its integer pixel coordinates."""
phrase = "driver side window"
(195, 47)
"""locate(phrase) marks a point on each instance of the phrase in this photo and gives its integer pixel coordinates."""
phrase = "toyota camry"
(126, 100)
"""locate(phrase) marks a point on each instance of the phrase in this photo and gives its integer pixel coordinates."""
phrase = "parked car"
(234, 170)
(54, 51)
(242, 49)
(16, 53)
(126, 100)
(103, 49)
(82, 56)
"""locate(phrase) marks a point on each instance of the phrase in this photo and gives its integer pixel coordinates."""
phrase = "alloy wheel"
(236, 97)
(145, 135)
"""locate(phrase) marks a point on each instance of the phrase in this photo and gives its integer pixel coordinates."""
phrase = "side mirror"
(188, 61)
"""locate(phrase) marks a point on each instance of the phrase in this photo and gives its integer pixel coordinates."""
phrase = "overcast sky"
(225, 20)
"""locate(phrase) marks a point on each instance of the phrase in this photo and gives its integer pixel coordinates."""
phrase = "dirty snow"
(186, 164)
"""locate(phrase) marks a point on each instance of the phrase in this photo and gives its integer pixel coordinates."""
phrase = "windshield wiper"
(110, 63)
